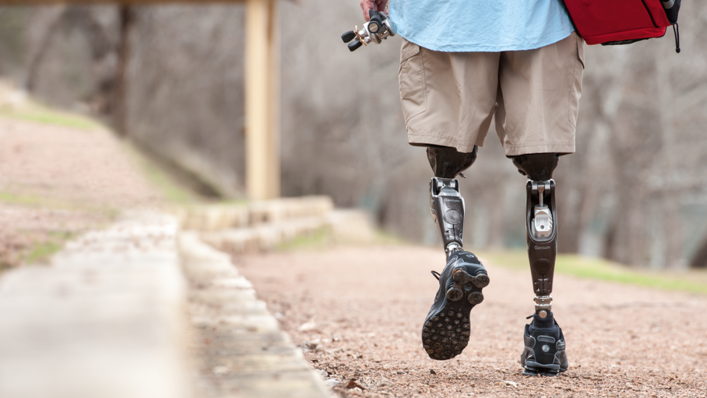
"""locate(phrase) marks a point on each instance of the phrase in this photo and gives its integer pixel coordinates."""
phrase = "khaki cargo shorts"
(449, 99)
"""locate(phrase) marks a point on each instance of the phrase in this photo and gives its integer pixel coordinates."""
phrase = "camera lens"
(348, 36)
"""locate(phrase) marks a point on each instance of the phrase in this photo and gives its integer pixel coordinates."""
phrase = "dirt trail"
(69, 164)
(56, 182)
(358, 312)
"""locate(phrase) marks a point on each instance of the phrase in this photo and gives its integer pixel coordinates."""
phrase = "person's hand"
(375, 5)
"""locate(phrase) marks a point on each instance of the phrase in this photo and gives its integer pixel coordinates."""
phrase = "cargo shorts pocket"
(580, 49)
(576, 82)
(411, 77)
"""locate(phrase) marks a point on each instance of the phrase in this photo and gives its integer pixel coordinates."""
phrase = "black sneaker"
(446, 330)
(544, 353)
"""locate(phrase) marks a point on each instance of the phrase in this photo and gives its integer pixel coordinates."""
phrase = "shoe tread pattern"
(446, 331)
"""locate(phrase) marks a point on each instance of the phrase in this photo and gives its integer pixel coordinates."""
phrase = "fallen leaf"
(352, 384)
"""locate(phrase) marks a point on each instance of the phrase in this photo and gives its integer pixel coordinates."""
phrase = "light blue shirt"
(480, 25)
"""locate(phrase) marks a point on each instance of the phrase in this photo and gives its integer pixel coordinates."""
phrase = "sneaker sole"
(538, 369)
(446, 334)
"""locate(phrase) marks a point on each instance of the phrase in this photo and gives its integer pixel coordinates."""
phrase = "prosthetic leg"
(446, 203)
(446, 330)
(544, 352)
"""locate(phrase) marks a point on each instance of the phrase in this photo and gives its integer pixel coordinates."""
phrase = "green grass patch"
(29, 200)
(234, 202)
(387, 238)
(323, 239)
(38, 113)
(318, 240)
(52, 244)
(42, 251)
(170, 188)
(600, 269)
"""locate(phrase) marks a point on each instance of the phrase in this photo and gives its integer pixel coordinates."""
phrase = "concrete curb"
(106, 319)
(241, 349)
(225, 216)
(262, 226)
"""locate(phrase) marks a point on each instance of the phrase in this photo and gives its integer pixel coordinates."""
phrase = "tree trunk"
(45, 39)
(121, 93)
(699, 260)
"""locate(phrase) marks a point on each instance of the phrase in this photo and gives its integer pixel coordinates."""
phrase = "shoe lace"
(435, 274)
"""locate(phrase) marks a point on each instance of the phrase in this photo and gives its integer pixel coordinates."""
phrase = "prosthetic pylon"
(541, 225)
(541, 216)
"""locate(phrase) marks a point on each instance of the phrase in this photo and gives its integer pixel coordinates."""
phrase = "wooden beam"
(262, 100)
(125, 2)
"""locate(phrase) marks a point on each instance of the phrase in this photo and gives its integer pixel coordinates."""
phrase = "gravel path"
(358, 312)
(56, 182)
(84, 166)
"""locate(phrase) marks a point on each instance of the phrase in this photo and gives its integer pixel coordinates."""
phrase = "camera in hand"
(374, 31)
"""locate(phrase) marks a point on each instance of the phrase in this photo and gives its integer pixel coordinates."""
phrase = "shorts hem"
(517, 150)
(461, 146)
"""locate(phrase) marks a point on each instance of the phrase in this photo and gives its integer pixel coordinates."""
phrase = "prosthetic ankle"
(541, 225)
(446, 203)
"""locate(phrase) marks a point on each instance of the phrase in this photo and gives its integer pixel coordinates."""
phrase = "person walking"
(462, 64)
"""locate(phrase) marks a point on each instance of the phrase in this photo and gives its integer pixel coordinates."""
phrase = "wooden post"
(262, 100)
(120, 98)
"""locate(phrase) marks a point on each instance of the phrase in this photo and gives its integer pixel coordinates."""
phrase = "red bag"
(618, 21)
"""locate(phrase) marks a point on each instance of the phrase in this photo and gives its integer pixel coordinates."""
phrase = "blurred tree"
(120, 98)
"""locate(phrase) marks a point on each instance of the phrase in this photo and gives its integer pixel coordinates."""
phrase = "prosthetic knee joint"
(446, 203)
(541, 224)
